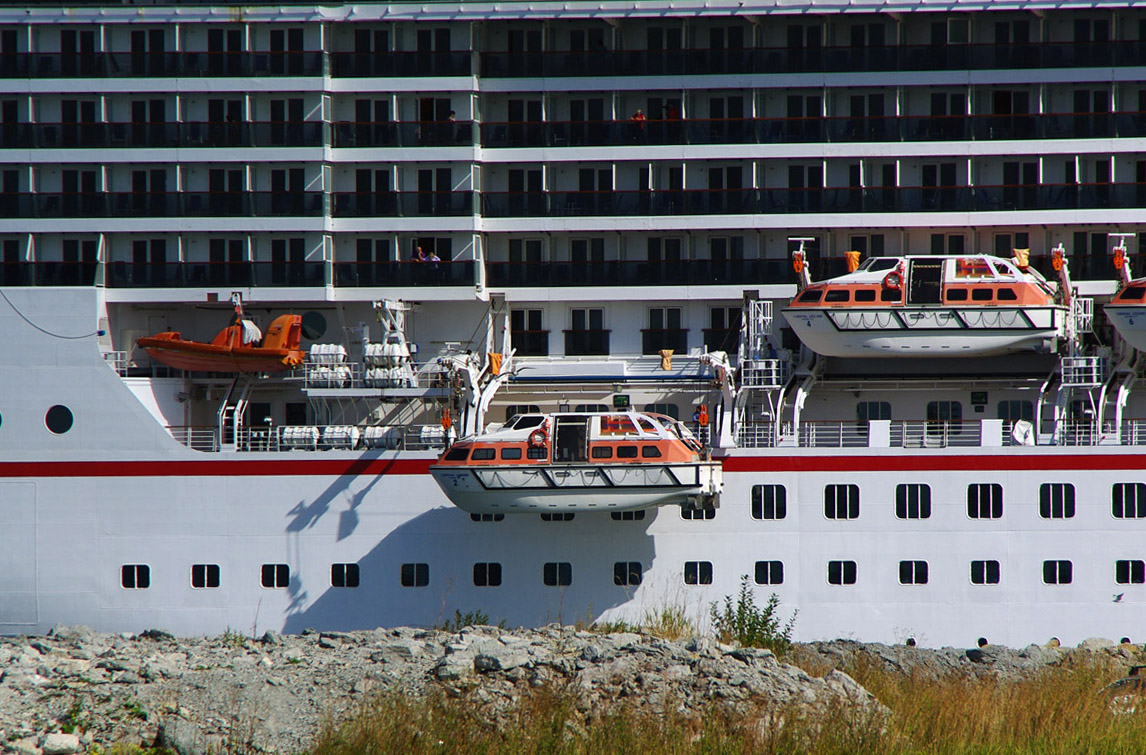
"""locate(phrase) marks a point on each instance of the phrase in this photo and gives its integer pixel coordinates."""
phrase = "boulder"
(1091, 644)
(58, 743)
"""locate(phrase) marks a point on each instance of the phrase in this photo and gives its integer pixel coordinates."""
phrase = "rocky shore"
(76, 690)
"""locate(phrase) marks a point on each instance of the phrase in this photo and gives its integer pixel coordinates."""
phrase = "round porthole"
(59, 419)
(313, 326)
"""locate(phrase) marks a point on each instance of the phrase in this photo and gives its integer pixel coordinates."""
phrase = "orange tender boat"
(237, 348)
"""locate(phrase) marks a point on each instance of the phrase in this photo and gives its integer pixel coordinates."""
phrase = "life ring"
(893, 281)
(538, 437)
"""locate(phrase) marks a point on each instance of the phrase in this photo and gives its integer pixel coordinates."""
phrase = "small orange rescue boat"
(239, 347)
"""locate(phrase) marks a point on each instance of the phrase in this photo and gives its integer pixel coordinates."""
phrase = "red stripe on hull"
(216, 468)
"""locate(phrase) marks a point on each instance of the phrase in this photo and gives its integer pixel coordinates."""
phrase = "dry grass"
(1059, 711)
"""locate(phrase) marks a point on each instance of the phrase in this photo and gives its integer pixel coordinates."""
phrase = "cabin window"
(890, 294)
(982, 294)
(487, 517)
(483, 454)
(769, 502)
(525, 423)
(985, 572)
(627, 516)
(837, 295)
(344, 575)
(415, 575)
(602, 452)
(1056, 500)
(135, 576)
(956, 294)
(879, 265)
(946, 411)
(590, 408)
(457, 454)
(537, 452)
(627, 573)
(487, 574)
(557, 574)
(913, 501)
(1133, 293)
(769, 572)
(1007, 294)
(275, 575)
(626, 452)
(841, 501)
(617, 424)
(866, 411)
(511, 454)
(841, 572)
(1130, 572)
(1011, 411)
(562, 516)
(672, 410)
(697, 514)
(650, 452)
(912, 572)
(865, 294)
(1128, 500)
(698, 572)
(514, 410)
(810, 297)
(984, 500)
(204, 576)
(1059, 572)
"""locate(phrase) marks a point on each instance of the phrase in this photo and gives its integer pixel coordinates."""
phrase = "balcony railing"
(162, 135)
(655, 340)
(163, 204)
(402, 274)
(531, 343)
(206, 274)
(404, 134)
(390, 64)
(583, 343)
(642, 273)
(146, 64)
(44, 273)
(403, 204)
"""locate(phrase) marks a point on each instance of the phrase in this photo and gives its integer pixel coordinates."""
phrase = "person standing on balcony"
(639, 121)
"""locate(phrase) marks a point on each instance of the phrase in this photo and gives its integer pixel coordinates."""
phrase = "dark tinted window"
(838, 294)
(457, 454)
(865, 294)
(956, 294)
(1007, 294)
(482, 454)
(650, 452)
(626, 452)
(890, 295)
(1133, 293)
(982, 294)
(602, 452)
(511, 453)
(811, 296)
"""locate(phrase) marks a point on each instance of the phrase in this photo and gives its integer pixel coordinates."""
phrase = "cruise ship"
(860, 250)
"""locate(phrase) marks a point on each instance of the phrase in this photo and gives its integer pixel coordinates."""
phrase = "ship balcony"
(403, 204)
(119, 274)
(530, 343)
(188, 64)
(404, 274)
(175, 204)
(586, 343)
(161, 135)
(722, 339)
(645, 273)
(655, 340)
(400, 64)
(403, 134)
(48, 273)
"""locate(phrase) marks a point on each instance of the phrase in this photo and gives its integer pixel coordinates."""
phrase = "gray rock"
(26, 746)
(157, 634)
(183, 737)
(1092, 644)
(58, 743)
(503, 659)
(271, 637)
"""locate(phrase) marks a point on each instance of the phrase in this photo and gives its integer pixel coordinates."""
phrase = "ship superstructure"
(478, 212)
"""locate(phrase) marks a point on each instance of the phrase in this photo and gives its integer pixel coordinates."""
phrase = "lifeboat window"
(487, 517)
(557, 574)
(487, 575)
(956, 294)
(1133, 293)
(457, 454)
(838, 294)
(1007, 294)
(890, 294)
(769, 572)
(646, 425)
(135, 576)
(982, 294)
(650, 452)
(1128, 500)
(617, 424)
(627, 573)
(482, 454)
(525, 423)
(769, 502)
(695, 515)
(865, 294)
(811, 296)
(698, 572)
(626, 452)
(511, 454)
(537, 452)
(627, 516)
(415, 575)
(602, 452)
(879, 265)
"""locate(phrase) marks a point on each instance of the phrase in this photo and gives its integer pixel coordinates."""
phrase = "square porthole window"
(627, 516)
(985, 572)
(984, 500)
(627, 573)
(769, 572)
(769, 502)
(841, 501)
(841, 572)
(344, 575)
(561, 517)
(697, 514)
(487, 517)
(1128, 500)
(1060, 572)
(557, 574)
(1130, 572)
(135, 576)
(487, 574)
(275, 575)
(913, 501)
(912, 572)
(415, 575)
(204, 576)
(1056, 500)
(698, 572)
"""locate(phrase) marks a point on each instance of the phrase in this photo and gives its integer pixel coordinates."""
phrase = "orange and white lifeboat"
(579, 462)
(929, 306)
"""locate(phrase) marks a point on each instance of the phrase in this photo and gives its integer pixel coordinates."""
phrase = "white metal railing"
(925, 434)
(833, 434)
(355, 375)
(117, 360)
(1083, 371)
(765, 373)
(197, 438)
(1082, 314)
(756, 434)
(315, 438)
